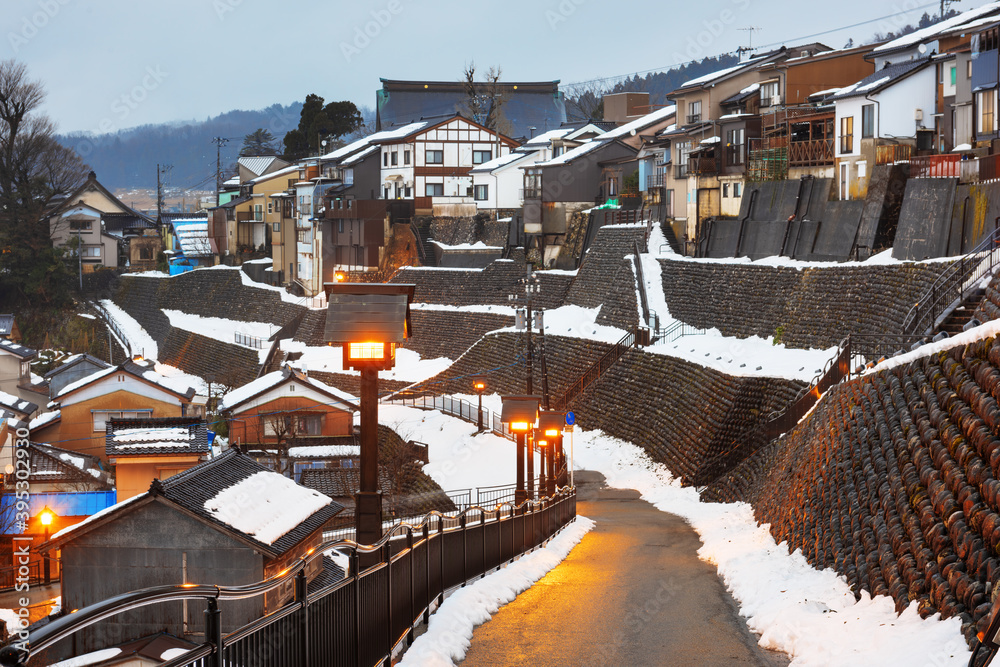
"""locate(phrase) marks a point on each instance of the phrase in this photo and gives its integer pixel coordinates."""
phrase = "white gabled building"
(432, 165)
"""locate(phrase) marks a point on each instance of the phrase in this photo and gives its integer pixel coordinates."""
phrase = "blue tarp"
(62, 503)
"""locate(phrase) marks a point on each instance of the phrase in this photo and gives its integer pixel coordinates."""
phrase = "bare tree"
(485, 100)
(276, 434)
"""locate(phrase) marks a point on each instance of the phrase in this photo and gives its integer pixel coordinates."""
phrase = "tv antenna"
(750, 30)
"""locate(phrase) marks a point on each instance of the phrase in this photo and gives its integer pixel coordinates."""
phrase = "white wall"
(506, 181)
(895, 111)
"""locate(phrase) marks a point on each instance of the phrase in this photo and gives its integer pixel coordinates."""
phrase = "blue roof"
(62, 503)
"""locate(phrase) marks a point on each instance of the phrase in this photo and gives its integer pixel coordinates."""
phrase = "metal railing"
(247, 340)
(599, 368)
(111, 324)
(390, 586)
(456, 407)
(953, 286)
(935, 166)
(676, 330)
(640, 278)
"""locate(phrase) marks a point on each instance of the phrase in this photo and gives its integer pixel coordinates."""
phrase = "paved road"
(632, 593)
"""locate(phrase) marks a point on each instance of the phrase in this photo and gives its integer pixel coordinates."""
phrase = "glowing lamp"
(520, 412)
(339, 276)
(46, 517)
(550, 422)
(368, 320)
(541, 443)
(520, 427)
(551, 433)
(479, 386)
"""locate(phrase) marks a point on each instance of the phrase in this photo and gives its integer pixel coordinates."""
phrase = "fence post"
(482, 522)
(302, 596)
(355, 566)
(465, 551)
(213, 630)
(387, 551)
(441, 552)
(427, 575)
(410, 619)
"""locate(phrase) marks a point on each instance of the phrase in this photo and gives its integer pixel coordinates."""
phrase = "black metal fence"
(111, 324)
(389, 588)
(456, 407)
(247, 340)
(599, 367)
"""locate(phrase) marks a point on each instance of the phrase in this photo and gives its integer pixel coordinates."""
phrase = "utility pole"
(160, 169)
(219, 143)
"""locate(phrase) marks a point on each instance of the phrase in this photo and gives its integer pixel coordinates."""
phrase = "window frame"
(867, 121)
(477, 156)
(435, 186)
(438, 153)
(846, 134)
(484, 189)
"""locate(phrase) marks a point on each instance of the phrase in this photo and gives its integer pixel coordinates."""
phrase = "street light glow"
(366, 351)
(46, 517)
(552, 432)
(519, 426)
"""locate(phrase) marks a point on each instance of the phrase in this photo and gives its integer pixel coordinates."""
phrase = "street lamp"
(479, 386)
(520, 414)
(368, 321)
(545, 478)
(45, 517)
(550, 425)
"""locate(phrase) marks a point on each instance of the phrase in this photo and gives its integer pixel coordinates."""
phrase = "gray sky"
(113, 64)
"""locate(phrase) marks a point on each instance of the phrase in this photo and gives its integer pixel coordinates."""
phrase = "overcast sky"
(113, 64)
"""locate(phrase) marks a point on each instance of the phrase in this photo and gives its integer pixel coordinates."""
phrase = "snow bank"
(449, 632)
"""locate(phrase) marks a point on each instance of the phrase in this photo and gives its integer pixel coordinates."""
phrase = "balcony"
(656, 180)
(815, 153)
(702, 165)
(681, 171)
(531, 193)
(693, 118)
(936, 166)
(890, 153)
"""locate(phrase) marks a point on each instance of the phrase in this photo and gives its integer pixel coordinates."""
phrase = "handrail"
(598, 368)
(17, 653)
(643, 300)
(111, 324)
(952, 285)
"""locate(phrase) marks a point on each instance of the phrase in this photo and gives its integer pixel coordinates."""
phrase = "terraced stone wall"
(681, 413)
(894, 481)
(815, 307)
(443, 333)
(460, 287)
(602, 261)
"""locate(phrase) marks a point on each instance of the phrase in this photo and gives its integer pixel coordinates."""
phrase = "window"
(276, 227)
(91, 251)
(385, 192)
(482, 192)
(694, 111)
(953, 73)
(736, 189)
(968, 70)
(735, 146)
(434, 190)
(769, 94)
(479, 157)
(406, 157)
(847, 134)
(558, 150)
(867, 121)
(78, 225)
(986, 102)
(258, 212)
(102, 416)
(385, 159)
(145, 252)
(862, 169)
(270, 208)
(725, 189)
(394, 158)
(407, 192)
(435, 157)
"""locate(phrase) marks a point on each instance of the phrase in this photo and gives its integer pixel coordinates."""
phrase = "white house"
(432, 165)
(893, 106)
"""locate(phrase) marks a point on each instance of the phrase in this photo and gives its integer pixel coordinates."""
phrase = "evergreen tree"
(259, 142)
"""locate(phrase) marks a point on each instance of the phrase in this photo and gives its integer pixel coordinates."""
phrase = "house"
(355, 232)
(96, 220)
(431, 165)
(15, 375)
(528, 107)
(188, 244)
(286, 410)
(8, 328)
(143, 449)
(228, 521)
(251, 167)
(133, 389)
(72, 369)
(893, 105)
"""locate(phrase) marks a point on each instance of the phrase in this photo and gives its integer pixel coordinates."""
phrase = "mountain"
(128, 158)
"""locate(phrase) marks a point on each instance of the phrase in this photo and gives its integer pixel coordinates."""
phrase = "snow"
(140, 434)
(75, 461)
(265, 382)
(546, 138)
(89, 658)
(928, 33)
(708, 78)
(873, 84)
(265, 505)
(503, 161)
(711, 140)
(385, 135)
(172, 653)
(87, 316)
(43, 419)
(638, 124)
(449, 631)
(274, 174)
(220, 329)
(571, 155)
(410, 366)
(478, 245)
(10, 618)
(324, 451)
(93, 377)
(987, 330)
(138, 341)
(493, 310)
(752, 88)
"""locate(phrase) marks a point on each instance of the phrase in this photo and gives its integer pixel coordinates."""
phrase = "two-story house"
(15, 378)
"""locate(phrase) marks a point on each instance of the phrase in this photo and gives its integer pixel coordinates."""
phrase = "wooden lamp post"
(520, 414)
(368, 321)
(550, 424)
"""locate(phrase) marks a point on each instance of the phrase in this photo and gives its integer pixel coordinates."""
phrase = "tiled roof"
(17, 350)
(17, 405)
(192, 488)
(339, 482)
(158, 435)
(54, 464)
(73, 361)
(117, 222)
(143, 369)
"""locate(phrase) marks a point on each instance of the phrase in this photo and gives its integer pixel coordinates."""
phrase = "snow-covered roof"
(571, 155)
(84, 381)
(931, 32)
(276, 174)
(713, 76)
(503, 161)
(192, 234)
(265, 382)
(546, 138)
(359, 156)
(639, 123)
(16, 349)
(384, 135)
(883, 78)
(257, 165)
(44, 419)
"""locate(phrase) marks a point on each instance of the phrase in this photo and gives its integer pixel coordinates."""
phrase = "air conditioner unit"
(776, 100)
(918, 114)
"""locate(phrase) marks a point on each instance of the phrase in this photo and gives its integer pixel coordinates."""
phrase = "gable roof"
(285, 375)
(93, 184)
(192, 235)
(122, 222)
(376, 138)
(16, 405)
(591, 147)
(53, 464)
(882, 79)
(142, 370)
(340, 482)
(156, 436)
(504, 161)
(444, 121)
(20, 351)
(931, 32)
(257, 164)
(76, 360)
(6, 325)
(235, 495)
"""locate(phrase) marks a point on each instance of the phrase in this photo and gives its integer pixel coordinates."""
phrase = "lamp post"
(46, 516)
(479, 386)
(532, 285)
(550, 423)
(520, 414)
(368, 320)
(545, 474)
